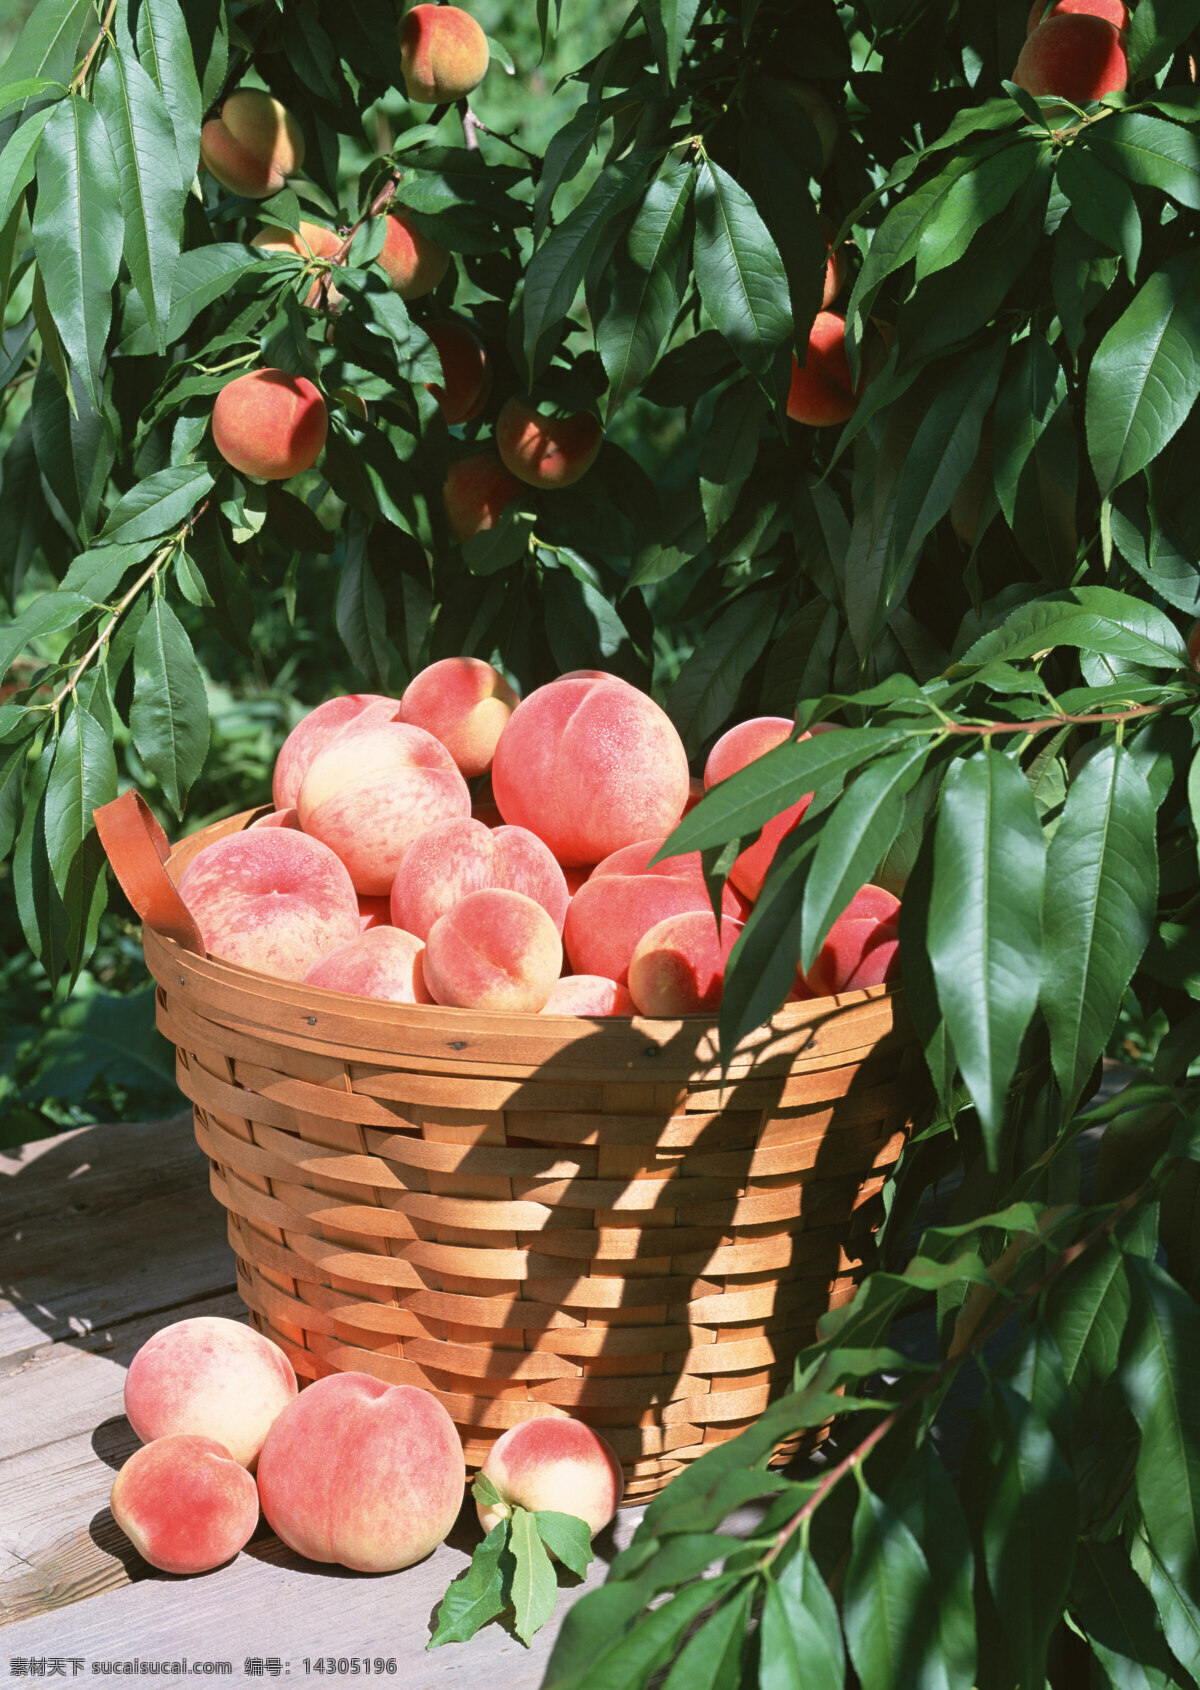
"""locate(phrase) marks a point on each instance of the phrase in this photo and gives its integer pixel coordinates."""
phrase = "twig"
(982, 1337)
(985, 728)
(80, 76)
(318, 294)
(474, 127)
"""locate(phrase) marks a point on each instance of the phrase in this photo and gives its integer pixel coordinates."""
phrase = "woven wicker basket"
(530, 1215)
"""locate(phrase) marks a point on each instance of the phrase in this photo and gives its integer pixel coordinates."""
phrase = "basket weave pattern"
(530, 1215)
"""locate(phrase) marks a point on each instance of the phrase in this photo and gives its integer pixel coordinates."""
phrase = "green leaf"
(84, 777)
(13, 766)
(169, 715)
(75, 450)
(556, 271)
(1101, 888)
(706, 688)
(360, 613)
(1178, 1608)
(18, 161)
(1103, 203)
(1023, 1510)
(47, 46)
(649, 278)
(160, 503)
(801, 1637)
(1145, 376)
(534, 1586)
(50, 613)
(923, 1496)
(670, 23)
(985, 920)
(1092, 618)
(711, 1659)
(609, 1641)
(44, 918)
(143, 141)
(78, 231)
(729, 450)
(567, 1537)
(166, 52)
(477, 1595)
(971, 198)
(1081, 273)
(1086, 1312)
(1193, 788)
(201, 276)
(582, 627)
(1115, 1610)
(1160, 1376)
(741, 278)
(855, 836)
(1151, 153)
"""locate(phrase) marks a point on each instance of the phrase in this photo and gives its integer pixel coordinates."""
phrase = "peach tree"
(883, 332)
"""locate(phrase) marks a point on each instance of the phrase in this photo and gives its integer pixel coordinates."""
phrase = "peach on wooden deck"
(185, 1504)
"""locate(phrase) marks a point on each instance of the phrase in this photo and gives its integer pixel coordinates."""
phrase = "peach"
(363, 1473)
(1116, 13)
(269, 424)
(695, 793)
(278, 818)
(209, 1377)
(373, 912)
(368, 794)
(835, 264)
(557, 1463)
(443, 53)
(590, 765)
(381, 962)
(1075, 55)
(313, 241)
(624, 898)
(1193, 646)
(678, 967)
(741, 745)
(253, 146)
(465, 703)
(457, 857)
(185, 1504)
(466, 372)
(587, 994)
(494, 950)
(271, 899)
(314, 731)
(862, 947)
(476, 493)
(413, 263)
(546, 451)
(822, 392)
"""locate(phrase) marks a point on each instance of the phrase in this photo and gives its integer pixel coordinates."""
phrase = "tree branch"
(80, 76)
(318, 294)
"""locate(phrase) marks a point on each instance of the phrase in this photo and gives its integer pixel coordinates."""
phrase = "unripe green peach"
(444, 53)
(253, 146)
(269, 424)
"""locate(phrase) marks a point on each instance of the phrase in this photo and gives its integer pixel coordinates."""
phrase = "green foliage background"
(985, 578)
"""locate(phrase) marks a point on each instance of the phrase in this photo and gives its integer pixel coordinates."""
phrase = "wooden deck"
(106, 1235)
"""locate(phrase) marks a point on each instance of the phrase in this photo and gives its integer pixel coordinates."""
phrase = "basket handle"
(137, 848)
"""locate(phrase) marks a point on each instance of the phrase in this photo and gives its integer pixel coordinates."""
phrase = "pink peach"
(546, 451)
(210, 1377)
(278, 818)
(369, 794)
(821, 390)
(590, 764)
(382, 962)
(1076, 55)
(460, 856)
(270, 899)
(253, 146)
(443, 54)
(741, 745)
(363, 1473)
(557, 1463)
(587, 994)
(465, 703)
(314, 731)
(476, 493)
(493, 950)
(678, 967)
(623, 898)
(862, 947)
(185, 1504)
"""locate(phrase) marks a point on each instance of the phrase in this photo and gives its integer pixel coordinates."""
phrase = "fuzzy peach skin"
(557, 1463)
(476, 493)
(381, 962)
(443, 53)
(466, 370)
(821, 392)
(210, 1377)
(185, 1504)
(1074, 55)
(743, 744)
(623, 898)
(587, 994)
(370, 793)
(278, 818)
(493, 950)
(271, 899)
(862, 948)
(465, 703)
(1116, 13)
(678, 967)
(413, 263)
(313, 732)
(313, 241)
(269, 424)
(590, 764)
(363, 1473)
(454, 858)
(545, 451)
(253, 146)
